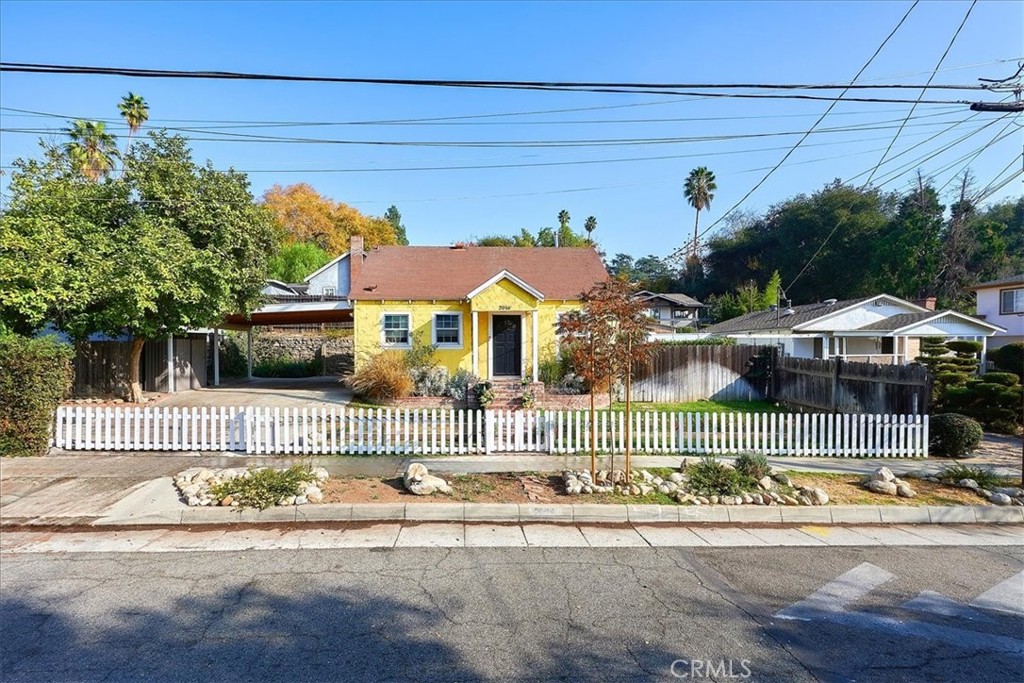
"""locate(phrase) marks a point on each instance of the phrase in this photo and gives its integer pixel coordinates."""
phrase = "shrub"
(460, 384)
(420, 355)
(382, 377)
(35, 375)
(710, 477)
(964, 346)
(429, 380)
(953, 435)
(1009, 358)
(284, 366)
(264, 488)
(484, 393)
(985, 478)
(1007, 379)
(753, 465)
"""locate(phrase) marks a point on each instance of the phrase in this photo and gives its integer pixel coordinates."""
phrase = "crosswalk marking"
(835, 595)
(931, 602)
(1007, 596)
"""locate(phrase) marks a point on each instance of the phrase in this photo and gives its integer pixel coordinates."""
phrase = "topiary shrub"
(753, 465)
(1007, 379)
(964, 346)
(383, 377)
(952, 435)
(994, 400)
(1009, 358)
(35, 375)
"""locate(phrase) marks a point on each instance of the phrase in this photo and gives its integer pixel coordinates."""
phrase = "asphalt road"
(572, 614)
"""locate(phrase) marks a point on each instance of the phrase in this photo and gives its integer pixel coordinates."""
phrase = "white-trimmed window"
(1011, 301)
(395, 329)
(448, 330)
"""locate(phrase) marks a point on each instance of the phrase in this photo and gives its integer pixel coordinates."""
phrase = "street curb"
(552, 513)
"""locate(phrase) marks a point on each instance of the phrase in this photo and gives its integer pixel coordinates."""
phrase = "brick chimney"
(927, 302)
(355, 257)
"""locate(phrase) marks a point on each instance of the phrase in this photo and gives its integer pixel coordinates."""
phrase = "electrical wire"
(799, 142)
(925, 88)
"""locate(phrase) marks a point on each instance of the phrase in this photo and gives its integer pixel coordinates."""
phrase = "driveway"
(319, 392)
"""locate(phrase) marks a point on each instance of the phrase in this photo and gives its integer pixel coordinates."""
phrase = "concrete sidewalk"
(460, 535)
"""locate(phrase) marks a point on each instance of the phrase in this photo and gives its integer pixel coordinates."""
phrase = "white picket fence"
(401, 431)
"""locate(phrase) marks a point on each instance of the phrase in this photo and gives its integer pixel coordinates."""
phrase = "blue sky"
(638, 204)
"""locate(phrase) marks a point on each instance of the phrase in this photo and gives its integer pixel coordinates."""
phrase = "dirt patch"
(842, 489)
(845, 489)
(470, 488)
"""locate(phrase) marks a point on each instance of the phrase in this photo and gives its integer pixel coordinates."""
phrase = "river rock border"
(194, 486)
(641, 482)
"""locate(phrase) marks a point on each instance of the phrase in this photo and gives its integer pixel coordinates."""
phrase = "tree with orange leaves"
(305, 215)
(606, 340)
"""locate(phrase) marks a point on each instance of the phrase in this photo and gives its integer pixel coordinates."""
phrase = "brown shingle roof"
(420, 273)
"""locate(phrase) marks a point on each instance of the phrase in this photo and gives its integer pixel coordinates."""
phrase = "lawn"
(706, 407)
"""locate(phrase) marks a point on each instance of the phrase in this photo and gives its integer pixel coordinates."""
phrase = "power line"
(27, 67)
(577, 162)
(585, 142)
(995, 138)
(799, 142)
(925, 88)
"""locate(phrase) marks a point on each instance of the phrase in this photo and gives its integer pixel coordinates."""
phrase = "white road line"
(1007, 596)
(835, 595)
(931, 602)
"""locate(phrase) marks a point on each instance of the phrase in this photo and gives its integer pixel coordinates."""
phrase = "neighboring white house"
(877, 329)
(331, 280)
(1001, 302)
(670, 309)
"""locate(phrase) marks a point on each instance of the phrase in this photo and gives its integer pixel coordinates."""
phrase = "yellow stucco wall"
(502, 298)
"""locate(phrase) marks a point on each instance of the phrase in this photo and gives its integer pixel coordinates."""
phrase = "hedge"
(1009, 358)
(35, 375)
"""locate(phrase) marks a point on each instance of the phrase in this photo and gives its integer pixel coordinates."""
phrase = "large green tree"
(294, 262)
(166, 247)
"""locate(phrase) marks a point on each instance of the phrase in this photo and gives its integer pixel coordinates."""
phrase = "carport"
(290, 310)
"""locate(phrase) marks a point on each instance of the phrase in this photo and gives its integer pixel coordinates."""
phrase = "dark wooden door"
(507, 346)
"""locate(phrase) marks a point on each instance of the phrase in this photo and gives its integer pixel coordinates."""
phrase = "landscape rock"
(881, 486)
(999, 499)
(882, 474)
(967, 484)
(420, 482)
(818, 496)
(766, 483)
(782, 479)
(904, 491)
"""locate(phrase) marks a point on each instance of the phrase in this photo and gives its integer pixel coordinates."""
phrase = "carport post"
(170, 364)
(216, 357)
(248, 352)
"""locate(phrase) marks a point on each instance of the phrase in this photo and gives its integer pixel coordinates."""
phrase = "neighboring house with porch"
(669, 309)
(1001, 302)
(493, 311)
(877, 329)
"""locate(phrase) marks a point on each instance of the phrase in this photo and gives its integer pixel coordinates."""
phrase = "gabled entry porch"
(505, 328)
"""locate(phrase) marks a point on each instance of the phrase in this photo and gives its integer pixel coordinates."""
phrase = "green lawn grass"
(706, 407)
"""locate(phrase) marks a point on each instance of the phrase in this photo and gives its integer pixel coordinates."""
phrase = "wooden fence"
(694, 373)
(446, 431)
(838, 386)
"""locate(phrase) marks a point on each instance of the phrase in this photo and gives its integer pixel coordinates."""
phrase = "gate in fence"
(400, 431)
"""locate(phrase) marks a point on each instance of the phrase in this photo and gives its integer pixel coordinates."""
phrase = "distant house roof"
(673, 298)
(452, 273)
(329, 264)
(1011, 280)
(778, 320)
(895, 322)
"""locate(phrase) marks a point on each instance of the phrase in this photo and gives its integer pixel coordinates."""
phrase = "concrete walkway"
(272, 392)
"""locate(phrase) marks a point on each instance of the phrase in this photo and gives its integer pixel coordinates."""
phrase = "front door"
(506, 345)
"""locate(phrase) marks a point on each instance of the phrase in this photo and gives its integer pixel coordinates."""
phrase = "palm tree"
(590, 225)
(92, 149)
(135, 112)
(699, 191)
(563, 219)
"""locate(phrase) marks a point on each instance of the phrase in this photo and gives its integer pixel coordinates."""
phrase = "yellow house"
(490, 310)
